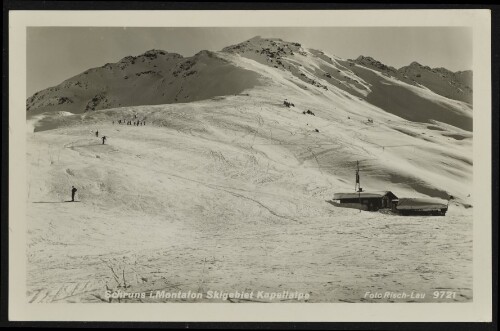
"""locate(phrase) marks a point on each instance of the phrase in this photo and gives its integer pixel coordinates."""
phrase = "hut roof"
(388, 193)
(356, 195)
(419, 204)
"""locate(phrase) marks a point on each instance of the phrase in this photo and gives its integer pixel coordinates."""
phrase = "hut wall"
(354, 205)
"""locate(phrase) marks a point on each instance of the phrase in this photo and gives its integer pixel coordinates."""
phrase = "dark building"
(420, 207)
(366, 200)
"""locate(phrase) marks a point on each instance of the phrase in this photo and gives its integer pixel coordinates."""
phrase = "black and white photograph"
(250, 164)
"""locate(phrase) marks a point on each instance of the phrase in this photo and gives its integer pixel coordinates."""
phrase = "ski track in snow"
(217, 207)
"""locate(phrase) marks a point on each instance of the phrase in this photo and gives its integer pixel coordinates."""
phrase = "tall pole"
(358, 184)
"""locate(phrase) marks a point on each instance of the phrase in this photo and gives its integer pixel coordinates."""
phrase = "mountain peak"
(259, 43)
(260, 38)
(368, 61)
(367, 58)
(154, 53)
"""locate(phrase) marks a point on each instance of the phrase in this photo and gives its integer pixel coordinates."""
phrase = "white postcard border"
(478, 310)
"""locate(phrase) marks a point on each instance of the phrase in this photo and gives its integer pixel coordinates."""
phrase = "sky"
(55, 54)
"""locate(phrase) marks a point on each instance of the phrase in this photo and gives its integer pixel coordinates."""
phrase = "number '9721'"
(444, 295)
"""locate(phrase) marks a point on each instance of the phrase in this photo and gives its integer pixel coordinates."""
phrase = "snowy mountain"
(453, 85)
(226, 187)
(155, 77)
(159, 77)
(350, 95)
(370, 80)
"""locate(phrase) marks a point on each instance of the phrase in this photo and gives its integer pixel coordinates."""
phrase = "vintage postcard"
(250, 165)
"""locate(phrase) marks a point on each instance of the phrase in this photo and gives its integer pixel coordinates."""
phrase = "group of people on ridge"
(135, 121)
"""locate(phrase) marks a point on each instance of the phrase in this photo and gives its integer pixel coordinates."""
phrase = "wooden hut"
(419, 206)
(365, 200)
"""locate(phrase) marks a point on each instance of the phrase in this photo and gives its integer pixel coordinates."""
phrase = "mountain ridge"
(161, 77)
(436, 79)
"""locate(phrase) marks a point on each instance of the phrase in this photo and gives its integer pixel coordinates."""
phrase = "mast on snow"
(357, 187)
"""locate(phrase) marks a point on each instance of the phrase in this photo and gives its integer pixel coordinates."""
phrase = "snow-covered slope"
(453, 85)
(415, 92)
(232, 191)
(408, 135)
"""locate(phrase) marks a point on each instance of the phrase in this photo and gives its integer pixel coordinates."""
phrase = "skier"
(103, 139)
(73, 191)
(97, 133)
